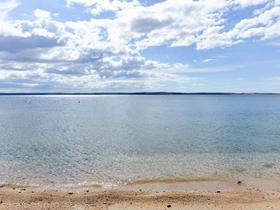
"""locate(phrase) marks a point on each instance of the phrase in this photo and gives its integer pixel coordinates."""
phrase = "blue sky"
(133, 45)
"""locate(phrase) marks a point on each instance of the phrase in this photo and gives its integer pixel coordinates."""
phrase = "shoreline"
(199, 193)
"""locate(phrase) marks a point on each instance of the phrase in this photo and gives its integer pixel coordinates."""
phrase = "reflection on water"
(73, 139)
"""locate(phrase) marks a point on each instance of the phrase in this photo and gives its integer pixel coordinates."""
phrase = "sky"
(140, 45)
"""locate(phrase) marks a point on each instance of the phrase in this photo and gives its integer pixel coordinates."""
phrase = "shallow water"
(113, 139)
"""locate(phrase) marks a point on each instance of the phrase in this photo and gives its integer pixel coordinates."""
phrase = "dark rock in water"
(169, 206)
(268, 165)
(239, 182)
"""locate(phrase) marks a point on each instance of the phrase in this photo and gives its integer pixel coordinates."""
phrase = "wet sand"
(180, 194)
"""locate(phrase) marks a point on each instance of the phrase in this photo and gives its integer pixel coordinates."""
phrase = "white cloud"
(107, 52)
(97, 6)
(7, 6)
(246, 3)
(42, 14)
(265, 26)
(208, 60)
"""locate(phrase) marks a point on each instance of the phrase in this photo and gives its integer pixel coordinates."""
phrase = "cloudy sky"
(140, 45)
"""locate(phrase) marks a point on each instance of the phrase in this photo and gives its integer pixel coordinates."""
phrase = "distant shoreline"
(138, 93)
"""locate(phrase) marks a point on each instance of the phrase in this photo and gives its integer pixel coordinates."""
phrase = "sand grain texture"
(135, 200)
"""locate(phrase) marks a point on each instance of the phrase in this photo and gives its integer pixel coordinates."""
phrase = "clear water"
(112, 139)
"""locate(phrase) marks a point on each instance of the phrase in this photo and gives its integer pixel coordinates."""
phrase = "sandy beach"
(158, 194)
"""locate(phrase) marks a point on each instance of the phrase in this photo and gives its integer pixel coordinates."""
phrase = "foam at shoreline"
(180, 184)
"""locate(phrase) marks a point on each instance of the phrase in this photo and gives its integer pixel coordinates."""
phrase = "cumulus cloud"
(15, 44)
(265, 25)
(97, 7)
(106, 51)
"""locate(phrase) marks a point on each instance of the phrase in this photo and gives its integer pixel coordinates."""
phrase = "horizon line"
(139, 93)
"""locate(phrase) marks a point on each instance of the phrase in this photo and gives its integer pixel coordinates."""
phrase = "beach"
(158, 194)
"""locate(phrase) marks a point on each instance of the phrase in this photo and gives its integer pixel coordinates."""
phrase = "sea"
(116, 139)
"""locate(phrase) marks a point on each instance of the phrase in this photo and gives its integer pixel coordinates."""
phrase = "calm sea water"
(112, 139)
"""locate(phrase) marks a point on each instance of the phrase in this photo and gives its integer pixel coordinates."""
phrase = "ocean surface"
(115, 139)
